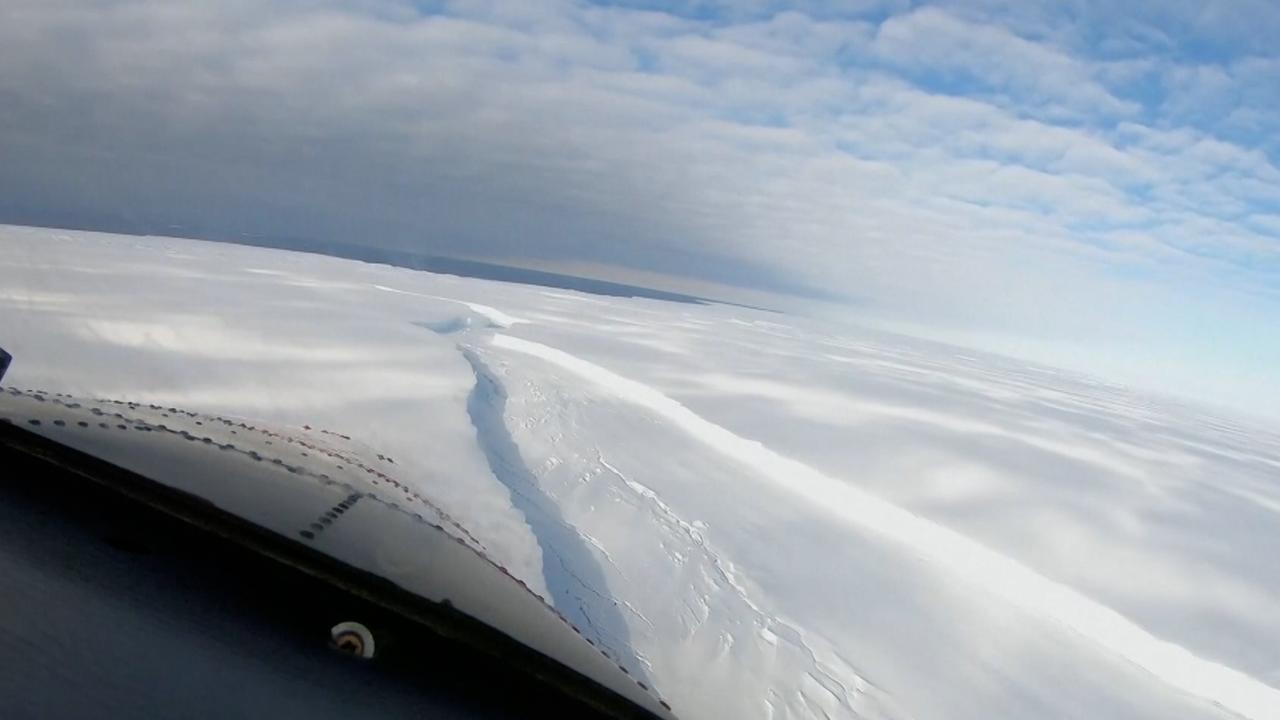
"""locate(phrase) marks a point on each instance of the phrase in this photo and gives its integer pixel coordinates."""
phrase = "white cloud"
(1041, 79)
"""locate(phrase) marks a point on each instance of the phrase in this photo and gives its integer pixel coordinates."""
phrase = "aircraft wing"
(360, 544)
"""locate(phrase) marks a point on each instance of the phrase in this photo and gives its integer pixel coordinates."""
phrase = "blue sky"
(1089, 184)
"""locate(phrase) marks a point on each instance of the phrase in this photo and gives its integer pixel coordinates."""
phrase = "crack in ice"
(1015, 583)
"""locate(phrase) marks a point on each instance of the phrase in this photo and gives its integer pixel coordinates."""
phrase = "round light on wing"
(352, 638)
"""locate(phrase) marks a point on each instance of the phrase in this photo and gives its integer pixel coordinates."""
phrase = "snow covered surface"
(760, 515)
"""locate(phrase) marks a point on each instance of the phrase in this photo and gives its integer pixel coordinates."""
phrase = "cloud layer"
(1097, 186)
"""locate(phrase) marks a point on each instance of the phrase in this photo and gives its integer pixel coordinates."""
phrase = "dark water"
(490, 271)
(478, 269)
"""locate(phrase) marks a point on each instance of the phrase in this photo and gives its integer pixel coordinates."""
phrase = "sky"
(1093, 185)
